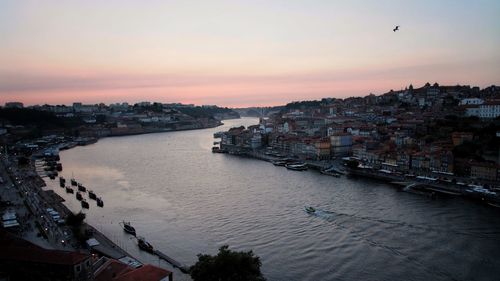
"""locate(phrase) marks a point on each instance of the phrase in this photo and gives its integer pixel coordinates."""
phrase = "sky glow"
(240, 53)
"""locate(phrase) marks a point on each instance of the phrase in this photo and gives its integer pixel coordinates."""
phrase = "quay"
(170, 260)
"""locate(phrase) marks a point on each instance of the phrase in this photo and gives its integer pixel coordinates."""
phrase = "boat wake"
(357, 228)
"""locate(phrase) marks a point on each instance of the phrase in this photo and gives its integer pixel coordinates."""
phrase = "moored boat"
(81, 187)
(309, 209)
(73, 182)
(92, 195)
(330, 173)
(297, 167)
(85, 204)
(79, 196)
(278, 163)
(144, 245)
(100, 203)
(127, 227)
(69, 189)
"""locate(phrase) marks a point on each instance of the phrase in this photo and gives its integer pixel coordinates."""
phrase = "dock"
(171, 261)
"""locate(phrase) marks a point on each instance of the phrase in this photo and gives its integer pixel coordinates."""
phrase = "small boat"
(279, 163)
(81, 187)
(100, 203)
(73, 182)
(309, 209)
(79, 196)
(144, 245)
(330, 173)
(69, 189)
(296, 167)
(85, 204)
(128, 228)
(59, 167)
(62, 180)
(92, 195)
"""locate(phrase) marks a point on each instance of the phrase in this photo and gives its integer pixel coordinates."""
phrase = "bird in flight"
(396, 28)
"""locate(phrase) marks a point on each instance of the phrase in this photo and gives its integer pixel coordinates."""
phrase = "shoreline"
(411, 185)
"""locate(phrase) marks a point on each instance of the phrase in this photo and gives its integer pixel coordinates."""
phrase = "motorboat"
(79, 196)
(144, 245)
(85, 204)
(81, 187)
(69, 189)
(297, 167)
(100, 203)
(127, 227)
(92, 195)
(278, 163)
(73, 182)
(310, 209)
(330, 173)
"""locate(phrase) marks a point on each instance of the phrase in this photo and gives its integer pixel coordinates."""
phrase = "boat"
(69, 189)
(62, 181)
(81, 187)
(100, 203)
(278, 163)
(92, 195)
(85, 204)
(330, 173)
(144, 245)
(73, 182)
(79, 196)
(310, 209)
(296, 167)
(128, 228)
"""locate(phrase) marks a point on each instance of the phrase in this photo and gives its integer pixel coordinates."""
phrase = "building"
(341, 144)
(459, 138)
(470, 101)
(113, 270)
(489, 109)
(483, 170)
(23, 260)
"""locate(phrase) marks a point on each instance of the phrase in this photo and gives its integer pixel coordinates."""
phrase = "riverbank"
(22, 188)
(422, 185)
(186, 200)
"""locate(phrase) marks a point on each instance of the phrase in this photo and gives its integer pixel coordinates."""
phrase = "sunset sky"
(240, 53)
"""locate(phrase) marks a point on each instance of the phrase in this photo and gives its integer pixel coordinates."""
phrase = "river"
(186, 200)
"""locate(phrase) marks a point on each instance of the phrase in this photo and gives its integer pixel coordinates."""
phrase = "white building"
(489, 109)
(470, 101)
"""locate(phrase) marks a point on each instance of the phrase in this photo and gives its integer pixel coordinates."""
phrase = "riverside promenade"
(21, 193)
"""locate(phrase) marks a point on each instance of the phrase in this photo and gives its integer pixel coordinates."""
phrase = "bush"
(227, 265)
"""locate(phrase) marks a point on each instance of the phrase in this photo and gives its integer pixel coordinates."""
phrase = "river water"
(186, 200)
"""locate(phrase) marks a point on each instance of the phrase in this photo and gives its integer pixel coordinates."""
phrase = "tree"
(227, 265)
(75, 222)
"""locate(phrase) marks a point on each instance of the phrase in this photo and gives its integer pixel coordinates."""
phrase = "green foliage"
(205, 112)
(75, 220)
(26, 116)
(227, 265)
(303, 104)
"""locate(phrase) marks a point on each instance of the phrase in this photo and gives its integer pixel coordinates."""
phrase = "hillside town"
(88, 122)
(445, 133)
